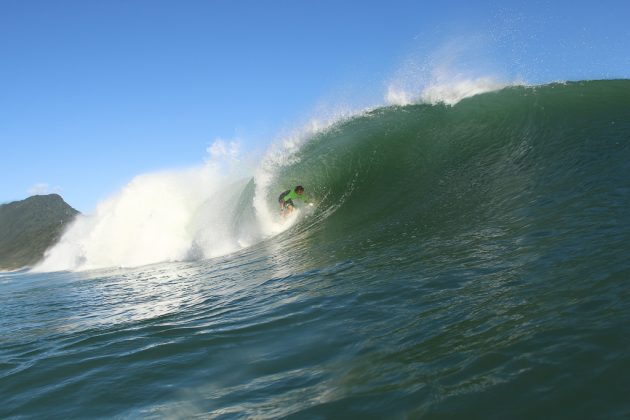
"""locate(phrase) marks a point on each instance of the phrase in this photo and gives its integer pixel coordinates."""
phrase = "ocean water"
(464, 261)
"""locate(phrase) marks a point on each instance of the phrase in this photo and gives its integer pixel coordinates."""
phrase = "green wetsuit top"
(293, 195)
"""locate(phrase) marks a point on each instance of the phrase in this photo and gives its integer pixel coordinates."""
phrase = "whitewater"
(467, 256)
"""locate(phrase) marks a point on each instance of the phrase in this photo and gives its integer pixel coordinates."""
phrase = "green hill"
(29, 227)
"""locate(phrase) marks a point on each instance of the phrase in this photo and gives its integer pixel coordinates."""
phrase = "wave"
(458, 161)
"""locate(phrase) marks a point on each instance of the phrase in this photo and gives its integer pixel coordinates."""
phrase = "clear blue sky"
(95, 92)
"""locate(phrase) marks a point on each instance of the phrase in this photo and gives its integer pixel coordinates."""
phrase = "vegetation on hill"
(29, 227)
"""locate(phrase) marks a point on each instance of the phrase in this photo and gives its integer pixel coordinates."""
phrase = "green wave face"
(522, 159)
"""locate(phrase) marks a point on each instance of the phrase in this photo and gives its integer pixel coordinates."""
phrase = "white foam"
(146, 222)
(450, 93)
(155, 217)
(443, 90)
(458, 69)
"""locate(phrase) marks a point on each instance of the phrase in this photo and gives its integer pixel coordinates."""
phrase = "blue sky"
(93, 93)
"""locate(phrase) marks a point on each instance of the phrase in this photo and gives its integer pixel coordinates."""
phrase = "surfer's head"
(299, 189)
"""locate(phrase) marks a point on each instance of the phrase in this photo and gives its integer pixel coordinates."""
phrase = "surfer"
(287, 197)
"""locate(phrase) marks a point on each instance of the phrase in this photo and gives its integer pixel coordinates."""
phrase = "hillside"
(29, 227)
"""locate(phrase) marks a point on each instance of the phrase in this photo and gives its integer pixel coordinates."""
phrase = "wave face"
(514, 165)
(459, 259)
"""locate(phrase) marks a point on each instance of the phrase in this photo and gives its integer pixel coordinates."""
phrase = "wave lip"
(448, 93)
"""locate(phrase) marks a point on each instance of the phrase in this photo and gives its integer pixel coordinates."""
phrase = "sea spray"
(146, 222)
(457, 69)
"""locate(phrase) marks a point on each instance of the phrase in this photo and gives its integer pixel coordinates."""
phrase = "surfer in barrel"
(287, 197)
